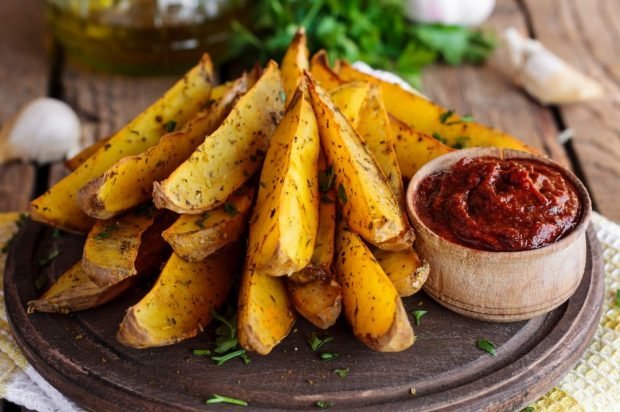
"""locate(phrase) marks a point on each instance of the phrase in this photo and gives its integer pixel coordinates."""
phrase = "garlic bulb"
(543, 74)
(45, 130)
(458, 12)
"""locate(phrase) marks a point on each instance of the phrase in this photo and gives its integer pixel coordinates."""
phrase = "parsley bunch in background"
(376, 32)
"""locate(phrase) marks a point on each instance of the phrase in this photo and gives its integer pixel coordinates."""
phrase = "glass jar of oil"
(143, 36)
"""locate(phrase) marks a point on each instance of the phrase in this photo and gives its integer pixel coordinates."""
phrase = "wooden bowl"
(500, 286)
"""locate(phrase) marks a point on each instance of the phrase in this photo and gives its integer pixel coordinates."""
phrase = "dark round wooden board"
(79, 355)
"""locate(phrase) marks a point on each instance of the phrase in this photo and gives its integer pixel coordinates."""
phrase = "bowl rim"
(448, 160)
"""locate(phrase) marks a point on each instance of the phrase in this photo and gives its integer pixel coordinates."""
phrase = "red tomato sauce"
(500, 205)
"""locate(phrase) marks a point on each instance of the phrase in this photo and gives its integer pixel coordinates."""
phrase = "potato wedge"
(194, 238)
(323, 73)
(73, 291)
(119, 248)
(423, 115)
(405, 269)
(319, 301)
(59, 206)
(230, 155)
(294, 62)
(180, 303)
(349, 98)
(77, 160)
(371, 302)
(368, 204)
(130, 181)
(413, 148)
(265, 314)
(284, 225)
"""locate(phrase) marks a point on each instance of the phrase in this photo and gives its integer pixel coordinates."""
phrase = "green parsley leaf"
(282, 96)
(528, 409)
(231, 209)
(461, 142)
(327, 356)
(324, 404)
(107, 231)
(317, 342)
(342, 194)
(326, 178)
(200, 222)
(618, 298)
(170, 126)
(443, 118)
(201, 352)
(342, 372)
(53, 254)
(219, 360)
(487, 346)
(215, 398)
(417, 314)
(439, 137)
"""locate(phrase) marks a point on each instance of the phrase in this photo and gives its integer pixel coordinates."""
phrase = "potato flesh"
(368, 204)
(195, 237)
(74, 291)
(425, 116)
(59, 206)
(371, 302)
(130, 181)
(111, 248)
(180, 303)
(319, 301)
(265, 313)
(405, 269)
(414, 149)
(284, 226)
(294, 62)
(230, 155)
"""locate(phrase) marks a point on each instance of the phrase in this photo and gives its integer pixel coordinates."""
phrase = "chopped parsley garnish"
(317, 342)
(443, 118)
(215, 398)
(439, 137)
(461, 142)
(53, 254)
(200, 222)
(107, 231)
(231, 209)
(528, 409)
(324, 404)
(219, 360)
(342, 372)
(617, 298)
(170, 126)
(327, 356)
(283, 95)
(225, 342)
(326, 178)
(342, 194)
(201, 352)
(417, 314)
(487, 346)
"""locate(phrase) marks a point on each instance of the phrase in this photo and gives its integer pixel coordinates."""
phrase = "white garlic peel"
(458, 12)
(544, 75)
(46, 130)
(386, 76)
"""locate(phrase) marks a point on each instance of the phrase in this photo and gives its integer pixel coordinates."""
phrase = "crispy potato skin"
(413, 148)
(122, 247)
(77, 160)
(368, 204)
(180, 303)
(405, 269)
(59, 206)
(265, 314)
(424, 116)
(284, 225)
(319, 301)
(194, 238)
(294, 62)
(371, 302)
(230, 155)
(74, 291)
(323, 73)
(130, 181)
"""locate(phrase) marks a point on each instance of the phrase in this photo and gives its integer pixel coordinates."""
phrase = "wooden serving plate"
(79, 355)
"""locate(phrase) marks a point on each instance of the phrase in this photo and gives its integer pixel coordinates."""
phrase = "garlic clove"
(46, 130)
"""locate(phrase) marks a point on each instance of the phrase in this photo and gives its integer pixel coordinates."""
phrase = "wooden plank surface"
(587, 35)
(491, 98)
(23, 76)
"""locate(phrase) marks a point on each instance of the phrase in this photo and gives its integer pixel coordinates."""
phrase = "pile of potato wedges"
(292, 176)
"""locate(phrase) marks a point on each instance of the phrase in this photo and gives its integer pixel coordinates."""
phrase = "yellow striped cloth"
(593, 385)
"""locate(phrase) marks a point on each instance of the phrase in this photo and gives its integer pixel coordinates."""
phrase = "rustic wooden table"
(584, 32)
